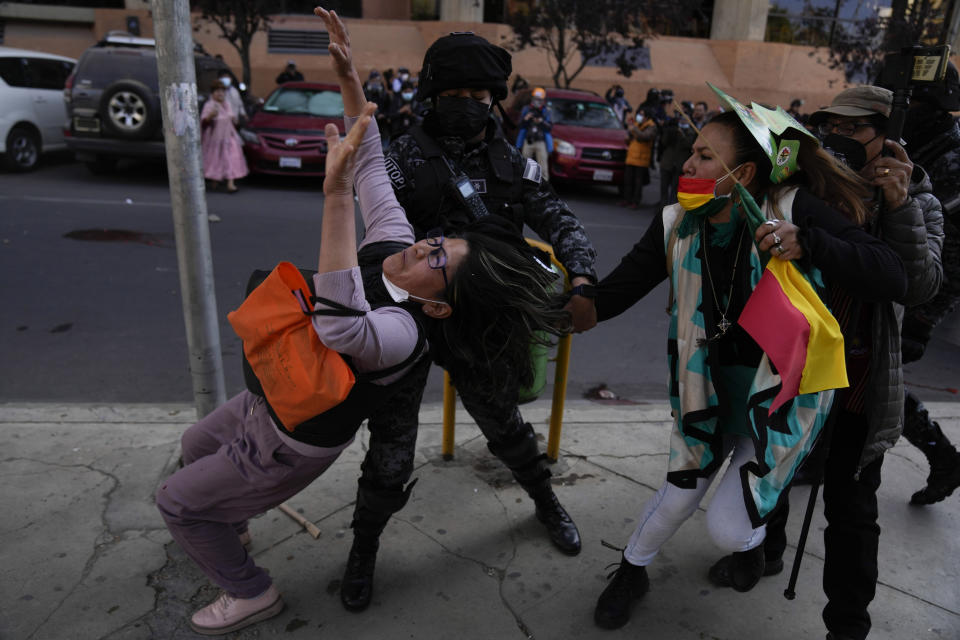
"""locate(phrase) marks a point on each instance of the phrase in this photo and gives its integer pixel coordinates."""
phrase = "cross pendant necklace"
(723, 325)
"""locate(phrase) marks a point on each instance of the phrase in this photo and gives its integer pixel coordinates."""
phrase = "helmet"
(464, 59)
(539, 93)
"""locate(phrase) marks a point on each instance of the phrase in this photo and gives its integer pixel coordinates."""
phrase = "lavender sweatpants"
(235, 467)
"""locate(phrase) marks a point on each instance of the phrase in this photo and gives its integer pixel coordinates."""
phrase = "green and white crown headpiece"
(767, 126)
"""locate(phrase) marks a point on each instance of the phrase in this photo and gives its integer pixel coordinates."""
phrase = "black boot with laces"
(560, 527)
(628, 582)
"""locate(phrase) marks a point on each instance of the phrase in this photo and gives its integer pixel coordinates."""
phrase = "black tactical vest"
(497, 179)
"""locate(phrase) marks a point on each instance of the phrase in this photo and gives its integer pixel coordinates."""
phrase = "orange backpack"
(284, 359)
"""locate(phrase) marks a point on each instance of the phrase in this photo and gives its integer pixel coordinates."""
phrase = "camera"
(905, 70)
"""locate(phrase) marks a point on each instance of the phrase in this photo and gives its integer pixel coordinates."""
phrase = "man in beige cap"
(869, 413)
(853, 126)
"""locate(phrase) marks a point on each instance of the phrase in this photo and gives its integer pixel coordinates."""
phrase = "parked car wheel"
(101, 165)
(128, 111)
(23, 149)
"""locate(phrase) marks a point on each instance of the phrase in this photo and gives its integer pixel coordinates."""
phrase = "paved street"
(101, 321)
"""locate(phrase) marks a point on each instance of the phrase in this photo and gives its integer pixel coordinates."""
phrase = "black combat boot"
(370, 517)
(523, 457)
(719, 573)
(629, 582)
(560, 527)
(356, 590)
(746, 568)
(926, 435)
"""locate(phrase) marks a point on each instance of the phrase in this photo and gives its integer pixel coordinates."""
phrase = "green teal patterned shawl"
(781, 440)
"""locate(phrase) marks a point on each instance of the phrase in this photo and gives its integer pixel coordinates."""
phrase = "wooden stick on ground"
(311, 528)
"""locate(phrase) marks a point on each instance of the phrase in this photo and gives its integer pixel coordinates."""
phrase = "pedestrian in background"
(534, 138)
(636, 175)
(616, 99)
(675, 142)
(233, 96)
(933, 139)
(220, 143)
(405, 110)
(290, 73)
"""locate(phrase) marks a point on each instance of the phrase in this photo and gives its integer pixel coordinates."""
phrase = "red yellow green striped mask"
(699, 195)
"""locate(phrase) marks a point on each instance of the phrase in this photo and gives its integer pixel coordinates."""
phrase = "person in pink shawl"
(220, 143)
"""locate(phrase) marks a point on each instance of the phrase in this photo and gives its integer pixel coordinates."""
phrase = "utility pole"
(181, 133)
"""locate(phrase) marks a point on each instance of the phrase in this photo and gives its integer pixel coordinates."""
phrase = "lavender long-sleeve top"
(388, 335)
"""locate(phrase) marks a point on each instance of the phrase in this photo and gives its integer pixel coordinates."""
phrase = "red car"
(285, 136)
(589, 142)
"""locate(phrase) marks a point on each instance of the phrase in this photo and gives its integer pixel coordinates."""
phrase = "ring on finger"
(780, 250)
(772, 223)
(776, 238)
(885, 171)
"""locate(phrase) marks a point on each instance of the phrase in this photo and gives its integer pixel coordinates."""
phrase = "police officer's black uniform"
(442, 181)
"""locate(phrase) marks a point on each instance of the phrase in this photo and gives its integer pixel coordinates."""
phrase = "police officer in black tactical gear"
(450, 171)
(933, 139)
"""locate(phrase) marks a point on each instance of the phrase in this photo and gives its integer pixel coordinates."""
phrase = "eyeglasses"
(437, 258)
(843, 128)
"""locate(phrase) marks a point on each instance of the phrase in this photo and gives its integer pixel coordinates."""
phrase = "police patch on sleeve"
(397, 179)
(531, 172)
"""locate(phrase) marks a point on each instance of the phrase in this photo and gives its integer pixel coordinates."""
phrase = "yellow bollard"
(559, 387)
(559, 396)
(449, 417)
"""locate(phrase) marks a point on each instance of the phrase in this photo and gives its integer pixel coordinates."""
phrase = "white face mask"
(400, 295)
(225, 81)
(407, 95)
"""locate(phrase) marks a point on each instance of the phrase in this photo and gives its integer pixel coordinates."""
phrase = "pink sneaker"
(226, 613)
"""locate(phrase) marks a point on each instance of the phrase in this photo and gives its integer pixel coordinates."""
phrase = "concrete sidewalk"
(85, 554)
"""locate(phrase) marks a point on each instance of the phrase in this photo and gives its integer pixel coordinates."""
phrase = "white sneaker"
(226, 613)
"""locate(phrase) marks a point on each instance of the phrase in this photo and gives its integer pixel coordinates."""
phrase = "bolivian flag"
(786, 317)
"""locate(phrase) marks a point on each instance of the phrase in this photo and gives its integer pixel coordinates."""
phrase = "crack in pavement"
(99, 546)
(491, 571)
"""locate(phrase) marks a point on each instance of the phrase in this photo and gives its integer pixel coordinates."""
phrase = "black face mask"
(458, 117)
(846, 150)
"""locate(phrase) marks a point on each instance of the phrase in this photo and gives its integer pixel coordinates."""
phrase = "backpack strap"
(415, 355)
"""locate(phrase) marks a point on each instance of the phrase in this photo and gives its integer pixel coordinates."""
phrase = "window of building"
(297, 41)
(822, 23)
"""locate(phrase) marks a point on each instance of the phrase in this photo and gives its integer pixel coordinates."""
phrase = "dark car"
(286, 135)
(113, 100)
(589, 141)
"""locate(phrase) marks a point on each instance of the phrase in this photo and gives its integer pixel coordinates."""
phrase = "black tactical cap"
(464, 59)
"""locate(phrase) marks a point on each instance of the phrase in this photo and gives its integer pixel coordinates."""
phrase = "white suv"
(33, 114)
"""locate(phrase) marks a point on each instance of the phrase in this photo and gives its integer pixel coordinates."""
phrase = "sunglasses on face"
(843, 128)
(437, 258)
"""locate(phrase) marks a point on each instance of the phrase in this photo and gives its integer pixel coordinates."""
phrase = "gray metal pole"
(181, 132)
